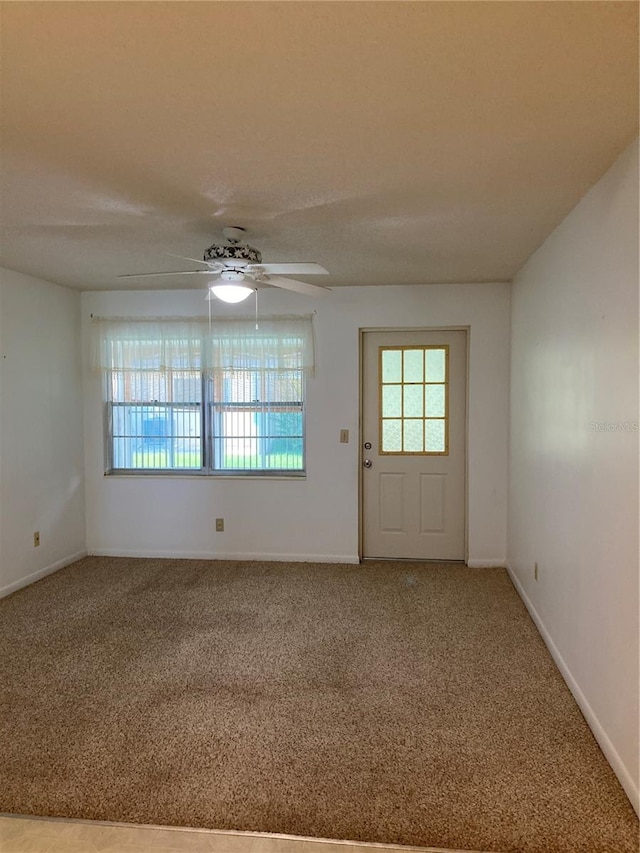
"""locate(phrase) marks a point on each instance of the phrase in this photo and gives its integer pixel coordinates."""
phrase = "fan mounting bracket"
(234, 234)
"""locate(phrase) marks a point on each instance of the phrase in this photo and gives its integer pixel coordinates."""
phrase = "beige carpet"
(406, 703)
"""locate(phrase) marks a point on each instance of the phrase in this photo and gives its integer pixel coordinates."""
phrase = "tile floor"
(41, 835)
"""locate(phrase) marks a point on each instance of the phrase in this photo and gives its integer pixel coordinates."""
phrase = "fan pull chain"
(256, 290)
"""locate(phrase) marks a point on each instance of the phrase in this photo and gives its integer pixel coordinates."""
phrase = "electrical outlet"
(535, 571)
(344, 436)
(219, 525)
(36, 539)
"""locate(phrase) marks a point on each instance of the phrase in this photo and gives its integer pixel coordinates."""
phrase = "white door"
(413, 445)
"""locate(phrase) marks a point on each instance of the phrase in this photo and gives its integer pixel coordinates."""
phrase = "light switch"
(344, 436)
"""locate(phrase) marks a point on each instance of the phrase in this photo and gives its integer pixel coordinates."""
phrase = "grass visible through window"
(159, 459)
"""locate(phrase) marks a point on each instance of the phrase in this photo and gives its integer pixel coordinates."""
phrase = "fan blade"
(210, 264)
(294, 284)
(177, 272)
(289, 269)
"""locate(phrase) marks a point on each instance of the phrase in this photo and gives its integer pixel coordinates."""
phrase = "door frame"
(362, 331)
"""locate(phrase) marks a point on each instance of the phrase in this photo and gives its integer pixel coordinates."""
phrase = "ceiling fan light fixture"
(231, 293)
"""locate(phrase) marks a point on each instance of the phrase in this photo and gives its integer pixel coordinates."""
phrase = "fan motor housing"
(243, 254)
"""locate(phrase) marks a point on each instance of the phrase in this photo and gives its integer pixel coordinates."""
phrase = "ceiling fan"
(239, 266)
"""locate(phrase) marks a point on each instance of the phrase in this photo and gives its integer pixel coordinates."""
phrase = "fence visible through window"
(156, 420)
(257, 420)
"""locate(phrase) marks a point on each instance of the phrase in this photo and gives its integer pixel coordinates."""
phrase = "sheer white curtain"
(280, 343)
(147, 344)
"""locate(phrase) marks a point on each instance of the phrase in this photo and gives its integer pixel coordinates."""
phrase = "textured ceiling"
(392, 142)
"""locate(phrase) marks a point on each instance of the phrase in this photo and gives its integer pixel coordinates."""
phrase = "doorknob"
(367, 463)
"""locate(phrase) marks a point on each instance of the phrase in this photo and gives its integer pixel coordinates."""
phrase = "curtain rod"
(201, 319)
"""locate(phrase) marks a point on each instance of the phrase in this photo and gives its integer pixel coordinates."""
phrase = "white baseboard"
(611, 754)
(487, 564)
(218, 555)
(41, 573)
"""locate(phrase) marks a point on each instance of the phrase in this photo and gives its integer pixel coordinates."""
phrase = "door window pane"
(392, 435)
(434, 436)
(392, 401)
(413, 365)
(413, 440)
(413, 401)
(392, 365)
(434, 401)
(436, 358)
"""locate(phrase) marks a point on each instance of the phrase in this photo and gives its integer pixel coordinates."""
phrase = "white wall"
(315, 518)
(41, 430)
(573, 489)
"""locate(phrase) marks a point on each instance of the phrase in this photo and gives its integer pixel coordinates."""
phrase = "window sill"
(197, 475)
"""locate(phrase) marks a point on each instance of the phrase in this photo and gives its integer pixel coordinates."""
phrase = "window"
(155, 420)
(188, 397)
(257, 419)
(414, 392)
